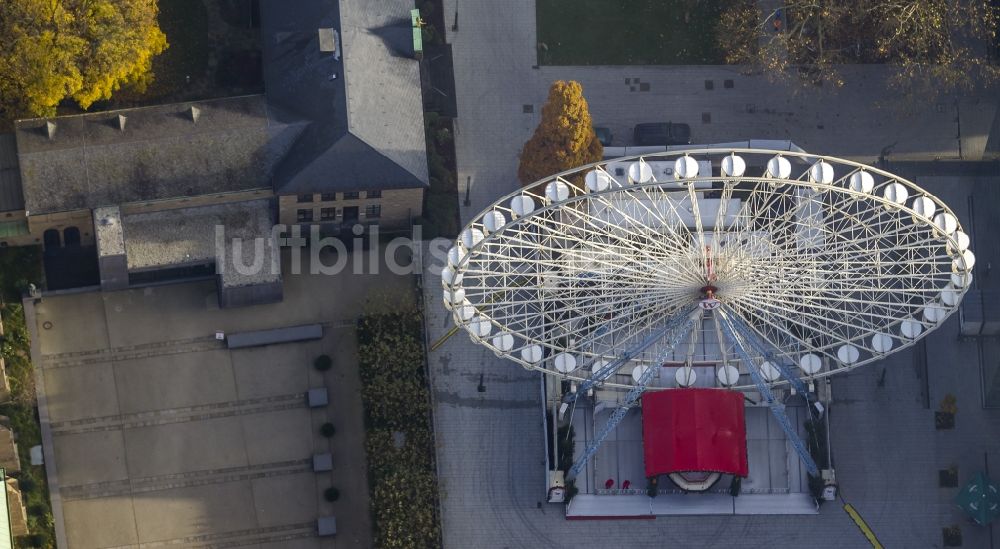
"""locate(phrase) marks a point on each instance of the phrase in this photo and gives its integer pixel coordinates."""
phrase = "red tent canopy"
(694, 430)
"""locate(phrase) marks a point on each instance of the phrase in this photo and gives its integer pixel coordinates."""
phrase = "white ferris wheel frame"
(563, 216)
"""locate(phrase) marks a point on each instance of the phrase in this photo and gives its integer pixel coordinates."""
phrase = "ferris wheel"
(766, 267)
(829, 263)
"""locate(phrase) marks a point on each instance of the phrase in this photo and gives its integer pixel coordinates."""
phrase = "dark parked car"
(662, 133)
(603, 135)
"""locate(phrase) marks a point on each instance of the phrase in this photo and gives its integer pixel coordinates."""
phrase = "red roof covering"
(694, 430)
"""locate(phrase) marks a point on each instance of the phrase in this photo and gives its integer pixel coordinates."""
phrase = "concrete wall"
(114, 272)
(245, 296)
(398, 207)
(193, 201)
(81, 219)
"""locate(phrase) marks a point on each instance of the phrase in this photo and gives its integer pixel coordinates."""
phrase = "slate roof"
(364, 127)
(310, 132)
(161, 153)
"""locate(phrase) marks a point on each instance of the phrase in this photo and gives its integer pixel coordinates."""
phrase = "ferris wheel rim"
(563, 198)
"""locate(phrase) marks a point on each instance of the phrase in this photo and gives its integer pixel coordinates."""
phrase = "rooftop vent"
(120, 121)
(195, 113)
(327, 40)
(50, 129)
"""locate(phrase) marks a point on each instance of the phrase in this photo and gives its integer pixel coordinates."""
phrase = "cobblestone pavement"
(886, 450)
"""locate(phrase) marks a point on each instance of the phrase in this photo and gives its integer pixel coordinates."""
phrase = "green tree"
(932, 46)
(564, 138)
(51, 50)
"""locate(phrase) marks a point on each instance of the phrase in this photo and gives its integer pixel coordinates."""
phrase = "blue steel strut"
(676, 329)
(777, 408)
(606, 371)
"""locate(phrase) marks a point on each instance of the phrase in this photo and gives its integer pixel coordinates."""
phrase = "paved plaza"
(160, 435)
(886, 450)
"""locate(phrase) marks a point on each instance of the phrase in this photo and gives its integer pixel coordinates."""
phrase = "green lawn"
(628, 32)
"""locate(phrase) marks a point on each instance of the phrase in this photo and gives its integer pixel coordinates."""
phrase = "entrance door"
(71, 236)
(51, 239)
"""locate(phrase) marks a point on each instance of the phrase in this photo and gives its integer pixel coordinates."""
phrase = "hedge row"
(399, 443)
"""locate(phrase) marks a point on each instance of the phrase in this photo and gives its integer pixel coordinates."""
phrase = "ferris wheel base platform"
(626, 507)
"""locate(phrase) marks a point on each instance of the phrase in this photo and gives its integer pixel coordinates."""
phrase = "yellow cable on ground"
(863, 526)
(440, 342)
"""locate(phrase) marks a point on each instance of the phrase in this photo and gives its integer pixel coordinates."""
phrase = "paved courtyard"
(886, 450)
(162, 436)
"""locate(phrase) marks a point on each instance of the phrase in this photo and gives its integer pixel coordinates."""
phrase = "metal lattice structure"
(830, 263)
(788, 258)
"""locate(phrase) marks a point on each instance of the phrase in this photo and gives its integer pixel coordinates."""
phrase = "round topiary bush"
(327, 430)
(323, 363)
(331, 494)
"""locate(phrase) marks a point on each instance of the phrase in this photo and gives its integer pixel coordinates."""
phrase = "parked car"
(603, 135)
(662, 133)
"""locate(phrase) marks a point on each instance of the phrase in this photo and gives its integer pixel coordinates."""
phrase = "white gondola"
(778, 168)
(685, 376)
(470, 237)
(911, 329)
(882, 343)
(947, 223)
(556, 191)
(728, 376)
(861, 182)
(640, 172)
(770, 371)
(923, 207)
(493, 220)
(896, 193)
(848, 354)
(521, 206)
(532, 354)
(685, 167)
(597, 181)
(733, 166)
(810, 363)
(503, 342)
(564, 363)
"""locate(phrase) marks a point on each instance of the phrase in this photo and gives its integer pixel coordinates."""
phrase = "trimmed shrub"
(331, 494)
(323, 363)
(328, 430)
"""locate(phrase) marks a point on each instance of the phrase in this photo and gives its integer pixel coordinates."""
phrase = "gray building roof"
(11, 198)
(346, 120)
(165, 151)
(182, 236)
(361, 106)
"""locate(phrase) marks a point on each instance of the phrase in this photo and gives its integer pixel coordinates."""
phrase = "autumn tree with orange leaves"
(565, 137)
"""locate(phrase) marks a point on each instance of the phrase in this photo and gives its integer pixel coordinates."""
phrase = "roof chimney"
(50, 129)
(121, 122)
(195, 114)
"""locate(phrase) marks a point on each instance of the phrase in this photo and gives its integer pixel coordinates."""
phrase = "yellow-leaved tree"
(564, 138)
(51, 50)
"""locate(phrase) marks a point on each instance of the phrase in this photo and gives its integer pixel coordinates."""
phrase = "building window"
(373, 211)
(352, 195)
(304, 198)
(373, 194)
(328, 197)
(327, 214)
(304, 216)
